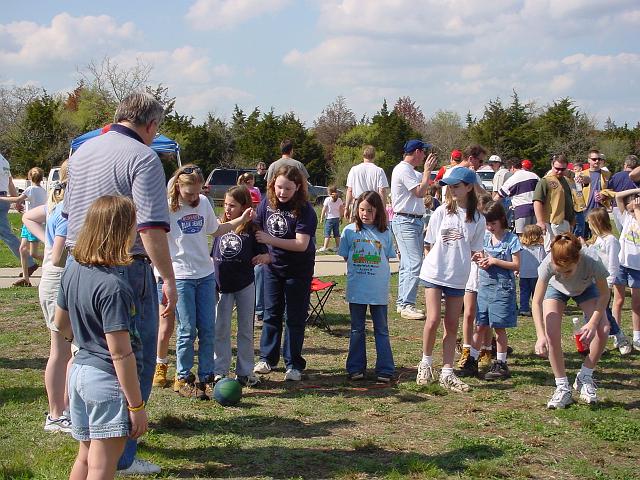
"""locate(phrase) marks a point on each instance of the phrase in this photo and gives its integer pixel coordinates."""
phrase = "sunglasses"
(560, 169)
(190, 170)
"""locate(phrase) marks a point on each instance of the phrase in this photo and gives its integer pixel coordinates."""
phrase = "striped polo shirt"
(116, 163)
(520, 187)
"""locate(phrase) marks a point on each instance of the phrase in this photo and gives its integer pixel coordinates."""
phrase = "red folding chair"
(322, 290)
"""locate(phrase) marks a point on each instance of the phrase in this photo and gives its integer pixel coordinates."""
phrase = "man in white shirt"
(407, 191)
(364, 177)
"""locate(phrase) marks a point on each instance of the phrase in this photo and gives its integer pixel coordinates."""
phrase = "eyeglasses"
(559, 169)
(596, 159)
(190, 170)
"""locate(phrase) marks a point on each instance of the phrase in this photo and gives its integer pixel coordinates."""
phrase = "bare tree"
(113, 81)
(445, 131)
(412, 113)
(334, 120)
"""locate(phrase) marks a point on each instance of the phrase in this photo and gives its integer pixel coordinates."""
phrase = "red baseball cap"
(456, 154)
(527, 164)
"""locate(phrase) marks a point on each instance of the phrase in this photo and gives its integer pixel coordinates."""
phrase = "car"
(222, 179)
(487, 179)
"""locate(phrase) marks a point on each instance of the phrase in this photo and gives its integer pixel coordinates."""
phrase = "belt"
(410, 215)
(140, 256)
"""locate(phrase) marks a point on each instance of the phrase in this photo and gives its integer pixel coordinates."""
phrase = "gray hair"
(631, 161)
(139, 108)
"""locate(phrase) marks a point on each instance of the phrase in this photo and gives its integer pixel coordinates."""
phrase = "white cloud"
(472, 71)
(226, 14)
(602, 62)
(27, 44)
(560, 84)
(199, 102)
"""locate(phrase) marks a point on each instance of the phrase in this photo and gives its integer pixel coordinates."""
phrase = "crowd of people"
(128, 260)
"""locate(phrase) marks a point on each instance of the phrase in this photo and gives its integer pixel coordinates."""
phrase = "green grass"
(328, 427)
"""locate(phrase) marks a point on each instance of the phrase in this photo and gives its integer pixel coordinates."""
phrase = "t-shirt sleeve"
(514, 244)
(211, 220)
(477, 241)
(382, 180)
(149, 194)
(115, 309)
(326, 202)
(434, 225)
(390, 250)
(545, 271)
(350, 178)
(308, 221)
(62, 296)
(409, 179)
(345, 242)
(303, 169)
(60, 227)
(440, 174)
(598, 268)
(540, 193)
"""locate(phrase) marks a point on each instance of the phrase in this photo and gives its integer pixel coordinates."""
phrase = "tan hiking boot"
(484, 360)
(464, 355)
(160, 375)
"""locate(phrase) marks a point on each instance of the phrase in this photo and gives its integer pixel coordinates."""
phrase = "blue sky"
(300, 55)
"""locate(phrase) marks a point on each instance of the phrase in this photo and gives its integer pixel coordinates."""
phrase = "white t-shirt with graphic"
(333, 208)
(452, 240)
(629, 240)
(188, 242)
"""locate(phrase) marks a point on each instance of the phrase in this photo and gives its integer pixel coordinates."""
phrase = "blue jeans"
(579, 229)
(357, 358)
(6, 235)
(410, 240)
(527, 287)
(196, 317)
(258, 272)
(284, 297)
(140, 276)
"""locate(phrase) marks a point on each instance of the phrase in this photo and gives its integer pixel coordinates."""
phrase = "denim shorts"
(97, 404)
(590, 292)
(448, 291)
(332, 225)
(25, 233)
(496, 304)
(629, 277)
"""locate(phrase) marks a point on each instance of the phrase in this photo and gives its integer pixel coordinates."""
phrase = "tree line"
(36, 128)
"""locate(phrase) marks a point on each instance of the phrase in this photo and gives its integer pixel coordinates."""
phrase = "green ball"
(227, 392)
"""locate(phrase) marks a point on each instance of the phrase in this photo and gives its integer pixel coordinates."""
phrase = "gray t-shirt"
(589, 269)
(116, 163)
(99, 301)
(273, 168)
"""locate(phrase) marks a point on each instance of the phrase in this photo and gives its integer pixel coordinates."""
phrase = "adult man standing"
(260, 177)
(407, 191)
(501, 173)
(620, 181)
(8, 189)
(364, 177)
(598, 179)
(286, 149)
(120, 162)
(553, 202)
(519, 187)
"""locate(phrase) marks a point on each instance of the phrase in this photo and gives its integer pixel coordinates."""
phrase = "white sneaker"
(140, 467)
(293, 375)
(60, 424)
(321, 249)
(453, 383)
(561, 398)
(399, 308)
(425, 374)
(587, 388)
(411, 313)
(262, 368)
(636, 345)
(624, 345)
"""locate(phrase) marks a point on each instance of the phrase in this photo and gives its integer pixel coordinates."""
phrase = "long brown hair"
(373, 199)
(241, 195)
(104, 237)
(472, 204)
(300, 197)
(181, 178)
(599, 222)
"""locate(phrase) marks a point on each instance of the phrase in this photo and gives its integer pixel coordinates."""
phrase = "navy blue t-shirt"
(282, 223)
(619, 182)
(232, 254)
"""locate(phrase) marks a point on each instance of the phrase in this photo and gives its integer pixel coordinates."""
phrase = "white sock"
(446, 371)
(636, 335)
(584, 371)
(164, 360)
(486, 347)
(562, 382)
(474, 353)
(427, 359)
(501, 357)
(466, 345)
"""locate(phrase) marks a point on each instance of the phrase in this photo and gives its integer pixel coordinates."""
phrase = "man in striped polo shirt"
(120, 162)
(519, 187)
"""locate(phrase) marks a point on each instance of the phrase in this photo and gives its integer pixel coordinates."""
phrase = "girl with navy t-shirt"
(234, 254)
(287, 223)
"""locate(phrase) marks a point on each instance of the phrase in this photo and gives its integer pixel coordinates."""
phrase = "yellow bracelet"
(138, 408)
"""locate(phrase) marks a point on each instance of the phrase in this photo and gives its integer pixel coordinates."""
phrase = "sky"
(300, 55)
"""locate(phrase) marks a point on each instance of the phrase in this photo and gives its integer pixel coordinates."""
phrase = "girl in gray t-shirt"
(569, 273)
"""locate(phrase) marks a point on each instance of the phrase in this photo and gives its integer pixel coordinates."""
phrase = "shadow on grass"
(316, 463)
(23, 363)
(20, 394)
(16, 473)
(252, 426)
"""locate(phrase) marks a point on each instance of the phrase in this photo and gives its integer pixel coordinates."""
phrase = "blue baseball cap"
(413, 145)
(460, 174)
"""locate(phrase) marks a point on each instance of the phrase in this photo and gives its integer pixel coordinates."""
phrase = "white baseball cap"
(495, 158)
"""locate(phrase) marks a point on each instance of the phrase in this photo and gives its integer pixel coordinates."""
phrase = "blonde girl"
(248, 179)
(532, 254)
(455, 233)
(95, 311)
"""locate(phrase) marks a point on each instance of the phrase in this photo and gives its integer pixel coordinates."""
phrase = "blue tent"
(160, 144)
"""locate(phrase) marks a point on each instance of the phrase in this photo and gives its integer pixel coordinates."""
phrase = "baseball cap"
(460, 174)
(527, 164)
(456, 154)
(413, 145)
(570, 166)
(495, 158)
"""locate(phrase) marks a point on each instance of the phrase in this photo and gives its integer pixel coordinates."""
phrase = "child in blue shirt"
(367, 246)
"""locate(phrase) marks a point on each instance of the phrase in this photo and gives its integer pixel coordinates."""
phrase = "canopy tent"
(160, 144)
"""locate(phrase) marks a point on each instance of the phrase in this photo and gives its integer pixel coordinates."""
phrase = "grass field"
(327, 427)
